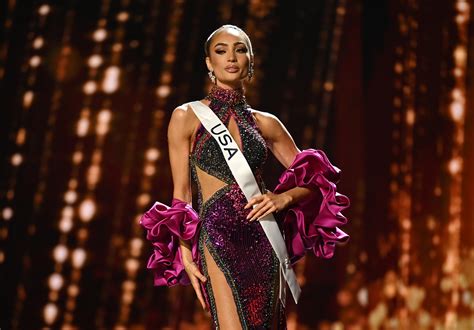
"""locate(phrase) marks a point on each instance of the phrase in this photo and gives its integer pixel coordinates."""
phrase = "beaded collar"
(229, 97)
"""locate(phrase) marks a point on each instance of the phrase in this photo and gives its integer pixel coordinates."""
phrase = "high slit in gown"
(239, 247)
(233, 253)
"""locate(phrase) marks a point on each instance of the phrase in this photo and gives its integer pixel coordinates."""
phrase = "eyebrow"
(224, 44)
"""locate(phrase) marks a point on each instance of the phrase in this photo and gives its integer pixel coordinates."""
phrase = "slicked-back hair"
(207, 44)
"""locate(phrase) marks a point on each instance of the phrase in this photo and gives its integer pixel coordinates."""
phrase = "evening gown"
(240, 248)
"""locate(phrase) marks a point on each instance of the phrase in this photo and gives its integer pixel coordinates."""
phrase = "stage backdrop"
(87, 89)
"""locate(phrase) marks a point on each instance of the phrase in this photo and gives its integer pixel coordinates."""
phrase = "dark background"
(372, 83)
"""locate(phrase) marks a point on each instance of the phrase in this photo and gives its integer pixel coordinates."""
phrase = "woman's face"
(229, 58)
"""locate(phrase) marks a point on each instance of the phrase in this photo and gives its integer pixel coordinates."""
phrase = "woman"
(222, 250)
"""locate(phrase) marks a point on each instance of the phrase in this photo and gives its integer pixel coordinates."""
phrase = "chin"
(233, 81)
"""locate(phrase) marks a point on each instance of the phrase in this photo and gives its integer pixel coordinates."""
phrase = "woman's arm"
(285, 150)
(179, 136)
(180, 131)
(278, 138)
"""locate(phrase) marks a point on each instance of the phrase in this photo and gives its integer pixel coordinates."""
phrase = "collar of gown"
(228, 97)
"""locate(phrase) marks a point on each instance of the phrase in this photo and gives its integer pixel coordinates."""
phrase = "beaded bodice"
(206, 153)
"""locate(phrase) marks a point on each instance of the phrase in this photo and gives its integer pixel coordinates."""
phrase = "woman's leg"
(227, 315)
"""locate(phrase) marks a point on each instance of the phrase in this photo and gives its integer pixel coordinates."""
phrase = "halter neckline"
(230, 97)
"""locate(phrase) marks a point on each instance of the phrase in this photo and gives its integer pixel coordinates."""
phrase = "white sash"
(245, 179)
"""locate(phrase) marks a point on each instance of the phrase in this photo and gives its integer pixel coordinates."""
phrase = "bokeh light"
(384, 89)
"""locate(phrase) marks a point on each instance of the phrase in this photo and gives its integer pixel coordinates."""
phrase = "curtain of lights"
(419, 273)
(88, 88)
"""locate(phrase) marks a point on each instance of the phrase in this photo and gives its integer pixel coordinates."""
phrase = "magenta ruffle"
(312, 223)
(165, 226)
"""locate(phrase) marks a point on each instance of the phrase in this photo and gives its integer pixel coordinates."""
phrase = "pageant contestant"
(230, 248)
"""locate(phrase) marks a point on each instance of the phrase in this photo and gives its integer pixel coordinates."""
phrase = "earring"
(250, 74)
(212, 77)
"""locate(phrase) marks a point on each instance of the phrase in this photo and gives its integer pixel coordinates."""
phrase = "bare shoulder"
(268, 123)
(183, 119)
(182, 112)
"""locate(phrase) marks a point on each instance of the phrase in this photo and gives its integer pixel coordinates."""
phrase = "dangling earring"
(250, 74)
(212, 77)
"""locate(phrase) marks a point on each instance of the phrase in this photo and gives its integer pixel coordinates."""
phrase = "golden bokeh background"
(87, 89)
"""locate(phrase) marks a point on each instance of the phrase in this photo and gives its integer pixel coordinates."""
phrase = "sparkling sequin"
(206, 153)
(239, 247)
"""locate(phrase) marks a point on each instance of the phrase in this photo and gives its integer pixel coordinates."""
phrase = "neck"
(230, 85)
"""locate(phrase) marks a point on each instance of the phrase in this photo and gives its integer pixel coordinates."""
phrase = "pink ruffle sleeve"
(165, 226)
(312, 223)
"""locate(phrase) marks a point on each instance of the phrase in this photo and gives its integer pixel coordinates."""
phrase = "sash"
(246, 180)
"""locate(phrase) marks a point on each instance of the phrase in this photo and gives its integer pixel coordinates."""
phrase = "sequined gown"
(239, 247)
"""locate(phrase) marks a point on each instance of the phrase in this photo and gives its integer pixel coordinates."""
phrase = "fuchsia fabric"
(311, 224)
(165, 226)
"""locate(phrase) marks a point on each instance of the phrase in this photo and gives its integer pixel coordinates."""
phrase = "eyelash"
(240, 50)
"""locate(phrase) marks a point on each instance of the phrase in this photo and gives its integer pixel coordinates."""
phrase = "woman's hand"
(195, 276)
(266, 204)
(192, 270)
